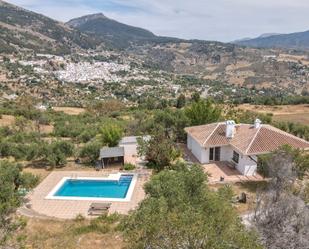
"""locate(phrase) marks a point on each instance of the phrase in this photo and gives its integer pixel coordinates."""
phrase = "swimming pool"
(117, 187)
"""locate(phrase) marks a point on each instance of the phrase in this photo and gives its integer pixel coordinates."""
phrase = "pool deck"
(69, 209)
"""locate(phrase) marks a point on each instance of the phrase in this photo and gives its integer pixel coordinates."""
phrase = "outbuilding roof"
(247, 139)
(108, 152)
(133, 139)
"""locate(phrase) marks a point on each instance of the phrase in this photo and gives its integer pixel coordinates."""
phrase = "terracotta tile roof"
(247, 139)
(202, 132)
(270, 138)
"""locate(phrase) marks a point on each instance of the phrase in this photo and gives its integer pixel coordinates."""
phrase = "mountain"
(298, 41)
(268, 35)
(21, 29)
(114, 33)
(157, 61)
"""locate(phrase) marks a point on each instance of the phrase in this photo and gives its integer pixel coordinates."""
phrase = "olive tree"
(180, 211)
(11, 180)
(203, 112)
(281, 215)
(111, 135)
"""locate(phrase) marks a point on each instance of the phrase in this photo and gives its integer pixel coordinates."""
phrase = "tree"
(196, 97)
(203, 112)
(173, 121)
(21, 123)
(57, 152)
(180, 211)
(181, 101)
(281, 215)
(159, 151)
(300, 161)
(11, 180)
(90, 152)
(111, 135)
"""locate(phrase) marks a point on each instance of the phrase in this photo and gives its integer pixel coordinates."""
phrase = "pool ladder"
(74, 177)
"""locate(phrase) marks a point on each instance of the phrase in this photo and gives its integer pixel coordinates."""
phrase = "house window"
(235, 157)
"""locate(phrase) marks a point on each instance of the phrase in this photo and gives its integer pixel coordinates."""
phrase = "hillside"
(145, 65)
(115, 34)
(21, 29)
(298, 41)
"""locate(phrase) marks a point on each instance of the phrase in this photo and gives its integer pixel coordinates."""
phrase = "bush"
(111, 135)
(57, 152)
(180, 211)
(90, 152)
(28, 180)
(129, 166)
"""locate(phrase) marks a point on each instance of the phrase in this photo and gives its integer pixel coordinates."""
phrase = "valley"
(283, 113)
(112, 136)
(88, 59)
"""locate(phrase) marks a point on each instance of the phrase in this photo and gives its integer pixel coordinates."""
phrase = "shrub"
(111, 135)
(129, 166)
(57, 152)
(90, 152)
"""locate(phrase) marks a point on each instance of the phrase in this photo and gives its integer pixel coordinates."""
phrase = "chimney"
(257, 123)
(230, 129)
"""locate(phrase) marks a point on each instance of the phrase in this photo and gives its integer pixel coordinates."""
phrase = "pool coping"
(110, 177)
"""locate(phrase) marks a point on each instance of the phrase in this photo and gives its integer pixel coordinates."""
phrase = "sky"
(221, 20)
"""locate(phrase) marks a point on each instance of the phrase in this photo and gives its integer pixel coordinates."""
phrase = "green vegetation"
(159, 151)
(90, 152)
(203, 112)
(296, 129)
(300, 161)
(111, 135)
(128, 166)
(57, 152)
(12, 180)
(181, 211)
(103, 224)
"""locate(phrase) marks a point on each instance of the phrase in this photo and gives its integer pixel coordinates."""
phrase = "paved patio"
(69, 209)
(222, 169)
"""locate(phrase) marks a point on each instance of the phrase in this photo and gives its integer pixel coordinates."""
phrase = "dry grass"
(7, 120)
(54, 234)
(250, 188)
(41, 170)
(292, 113)
(46, 129)
(69, 110)
(277, 109)
(302, 118)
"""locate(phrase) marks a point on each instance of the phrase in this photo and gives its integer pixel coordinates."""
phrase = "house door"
(215, 154)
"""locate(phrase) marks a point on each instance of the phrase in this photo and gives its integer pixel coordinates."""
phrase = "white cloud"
(223, 20)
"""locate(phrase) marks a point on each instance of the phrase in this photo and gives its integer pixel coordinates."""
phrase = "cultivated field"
(69, 110)
(7, 120)
(288, 113)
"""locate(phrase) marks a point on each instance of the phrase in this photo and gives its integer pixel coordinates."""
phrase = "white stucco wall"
(189, 142)
(226, 153)
(197, 150)
(246, 165)
(129, 149)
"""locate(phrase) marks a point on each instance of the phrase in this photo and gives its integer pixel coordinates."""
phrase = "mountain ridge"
(296, 40)
(27, 30)
(117, 34)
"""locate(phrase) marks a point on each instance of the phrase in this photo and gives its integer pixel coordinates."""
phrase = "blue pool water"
(95, 188)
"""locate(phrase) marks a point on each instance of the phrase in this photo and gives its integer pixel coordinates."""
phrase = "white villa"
(238, 144)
